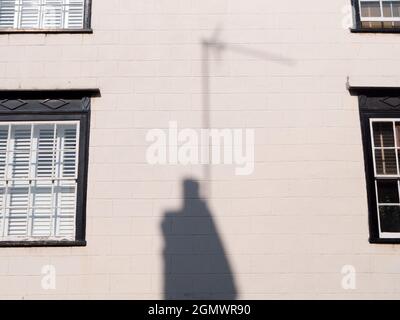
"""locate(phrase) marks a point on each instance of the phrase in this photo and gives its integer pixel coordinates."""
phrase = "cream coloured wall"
(289, 228)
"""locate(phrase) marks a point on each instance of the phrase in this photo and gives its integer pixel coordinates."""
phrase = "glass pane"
(3, 137)
(42, 210)
(2, 211)
(388, 24)
(389, 218)
(383, 134)
(7, 13)
(68, 145)
(396, 9)
(45, 156)
(391, 9)
(3, 150)
(18, 212)
(21, 136)
(397, 126)
(75, 14)
(388, 191)
(387, 9)
(371, 25)
(385, 161)
(30, 14)
(53, 14)
(370, 9)
(65, 202)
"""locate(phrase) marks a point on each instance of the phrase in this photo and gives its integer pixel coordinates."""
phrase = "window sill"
(365, 30)
(384, 241)
(31, 244)
(46, 31)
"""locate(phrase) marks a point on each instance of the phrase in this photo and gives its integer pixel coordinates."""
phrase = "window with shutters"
(38, 176)
(43, 168)
(44, 15)
(380, 124)
(377, 15)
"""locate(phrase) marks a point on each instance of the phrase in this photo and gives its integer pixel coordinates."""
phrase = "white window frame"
(65, 12)
(385, 235)
(4, 182)
(381, 18)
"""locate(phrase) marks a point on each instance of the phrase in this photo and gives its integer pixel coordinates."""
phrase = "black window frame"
(357, 22)
(87, 25)
(375, 103)
(59, 105)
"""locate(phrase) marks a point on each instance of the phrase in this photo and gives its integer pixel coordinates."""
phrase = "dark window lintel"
(73, 93)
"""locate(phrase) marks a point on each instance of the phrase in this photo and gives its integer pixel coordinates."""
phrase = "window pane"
(370, 9)
(3, 150)
(2, 209)
(371, 24)
(21, 146)
(388, 191)
(65, 203)
(387, 9)
(68, 142)
(385, 161)
(389, 218)
(397, 126)
(30, 13)
(45, 155)
(391, 8)
(383, 134)
(7, 13)
(75, 14)
(42, 210)
(387, 24)
(396, 9)
(18, 211)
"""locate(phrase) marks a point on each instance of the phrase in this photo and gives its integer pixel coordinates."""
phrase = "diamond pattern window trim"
(54, 103)
(393, 102)
(12, 104)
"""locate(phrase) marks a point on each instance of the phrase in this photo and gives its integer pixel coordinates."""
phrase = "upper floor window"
(385, 153)
(44, 15)
(380, 124)
(377, 15)
(44, 140)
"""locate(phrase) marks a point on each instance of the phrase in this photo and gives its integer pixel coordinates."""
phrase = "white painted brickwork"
(289, 228)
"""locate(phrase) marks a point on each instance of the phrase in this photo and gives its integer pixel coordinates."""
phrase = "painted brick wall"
(288, 229)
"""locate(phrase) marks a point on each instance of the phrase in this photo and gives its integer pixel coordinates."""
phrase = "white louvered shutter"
(3, 150)
(66, 195)
(53, 11)
(42, 189)
(7, 13)
(30, 14)
(74, 14)
(38, 180)
(3, 154)
(18, 188)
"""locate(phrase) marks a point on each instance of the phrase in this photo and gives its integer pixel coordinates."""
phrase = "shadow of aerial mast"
(216, 46)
